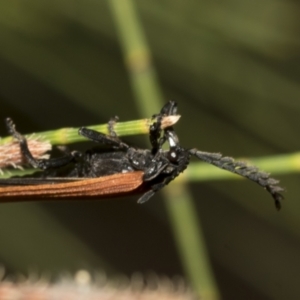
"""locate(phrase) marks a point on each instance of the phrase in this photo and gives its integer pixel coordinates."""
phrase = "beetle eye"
(172, 156)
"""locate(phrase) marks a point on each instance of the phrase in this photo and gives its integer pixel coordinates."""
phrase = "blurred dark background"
(234, 69)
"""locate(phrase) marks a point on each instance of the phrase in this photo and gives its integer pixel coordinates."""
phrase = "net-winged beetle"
(120, 171)
(124, 170)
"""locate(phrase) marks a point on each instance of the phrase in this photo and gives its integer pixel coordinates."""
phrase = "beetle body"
(117, 172)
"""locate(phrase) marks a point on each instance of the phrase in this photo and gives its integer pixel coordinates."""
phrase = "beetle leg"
(111, 124)
(168, 164)
(38, 163)
(102, 138)
(155, 188)
(154, 170)
(146, 197)
(156, 140)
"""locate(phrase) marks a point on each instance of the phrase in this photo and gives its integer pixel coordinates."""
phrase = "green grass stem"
(149, 99)
(70, 135)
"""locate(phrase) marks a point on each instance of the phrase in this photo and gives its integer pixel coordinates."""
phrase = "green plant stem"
(70, 135)
(149, 99)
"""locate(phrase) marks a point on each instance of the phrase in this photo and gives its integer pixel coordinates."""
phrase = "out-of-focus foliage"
(233, 66)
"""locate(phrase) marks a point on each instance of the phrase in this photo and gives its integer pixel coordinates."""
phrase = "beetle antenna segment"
(242, 169)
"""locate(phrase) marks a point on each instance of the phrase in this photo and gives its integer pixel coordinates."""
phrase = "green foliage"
(233, 68)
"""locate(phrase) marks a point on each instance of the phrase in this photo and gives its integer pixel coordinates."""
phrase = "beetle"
(125, 170)
(120, 171)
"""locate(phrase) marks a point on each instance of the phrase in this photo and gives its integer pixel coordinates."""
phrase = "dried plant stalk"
(10, 153)
(82, 287)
